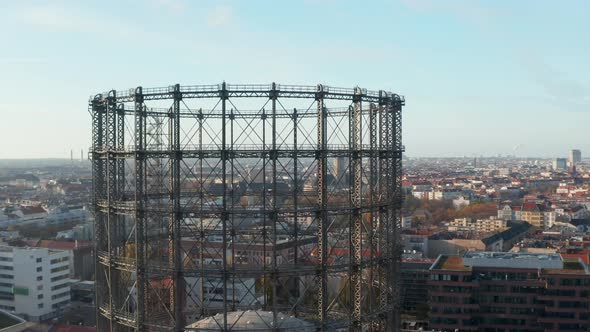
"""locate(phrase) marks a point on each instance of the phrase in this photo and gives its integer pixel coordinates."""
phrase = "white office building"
(34, 282)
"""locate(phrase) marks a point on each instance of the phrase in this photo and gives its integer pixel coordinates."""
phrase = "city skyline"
(479, 78)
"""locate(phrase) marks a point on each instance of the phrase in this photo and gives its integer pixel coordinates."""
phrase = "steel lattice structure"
(222, 198)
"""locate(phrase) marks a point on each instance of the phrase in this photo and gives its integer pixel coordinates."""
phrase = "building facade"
(80, 256)
(537, 215)
(493, 291)
(34, 282)
(575, 156)
(414, 285)
(477, 225)
(559, 163)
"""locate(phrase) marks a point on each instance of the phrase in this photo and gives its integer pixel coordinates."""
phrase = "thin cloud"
(220, 16)
(48, 16)
(21, 61)
(468, 11)
(562, 92)
(175, 6)
(71, 19)
(553, 81)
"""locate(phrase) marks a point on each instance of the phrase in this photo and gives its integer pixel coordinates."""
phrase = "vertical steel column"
(201, 206)
(111, 178)
(387, 138)
(232, 207)
(176, 214)
(372, 197)
(170, 205)
(98, 169)
(120, 148)
(295, 119)
(120, 165)
(383, 212)
(397, 148)
(223, 95)
(140, 182)
(322, 214)
(350, 169)
(99, 146)
(98, 188)
(274, 213)
(264, 211)
(356, 205)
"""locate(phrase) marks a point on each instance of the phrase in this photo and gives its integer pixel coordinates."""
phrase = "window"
(40, 296)
(59, 260)
(5, 259)
(59, 269)
(39, 269)
(6, 276)
(60, 286)
(39, 278)
(39, 287)
(7, 268)
(62, 277)
(40, 305)
(39, 260)
(8, 297)
(60, 295)
(60, 304)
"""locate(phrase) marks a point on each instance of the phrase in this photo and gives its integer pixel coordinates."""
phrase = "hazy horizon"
(479, 77)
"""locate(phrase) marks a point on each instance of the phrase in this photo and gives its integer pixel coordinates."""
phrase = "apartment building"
(537, 215)
(414, 284)
(507, 212)
(477, 225)
(534, 213)
(34, 282)
(501, 292)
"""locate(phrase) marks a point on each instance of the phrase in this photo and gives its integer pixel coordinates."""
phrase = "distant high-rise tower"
(575, 156)
(559, 163)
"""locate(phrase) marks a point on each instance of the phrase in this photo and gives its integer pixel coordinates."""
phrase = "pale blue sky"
(479, 77)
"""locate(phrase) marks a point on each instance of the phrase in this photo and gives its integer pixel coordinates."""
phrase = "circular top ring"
(273, 90)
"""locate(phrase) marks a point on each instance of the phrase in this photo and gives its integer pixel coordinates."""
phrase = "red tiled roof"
(530, 206)
(422, 183)
(582, 256)
(73, 328)
(62, 244)
(417, 232)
